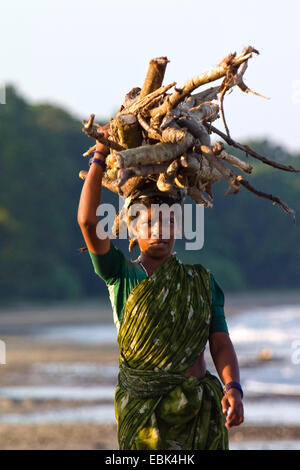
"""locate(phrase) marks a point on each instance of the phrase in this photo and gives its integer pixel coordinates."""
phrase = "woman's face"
(155, 231)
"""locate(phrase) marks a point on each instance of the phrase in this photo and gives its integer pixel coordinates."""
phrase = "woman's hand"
(233, 400)
(105, 131)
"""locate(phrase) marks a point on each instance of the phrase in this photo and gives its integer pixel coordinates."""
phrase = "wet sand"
(93, 437)
(24, 351)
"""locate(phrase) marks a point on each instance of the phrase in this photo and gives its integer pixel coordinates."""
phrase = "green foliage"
(249, 243)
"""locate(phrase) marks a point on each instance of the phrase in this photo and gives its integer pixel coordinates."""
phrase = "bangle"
(98, 161)
(233, 385)
(101, 153)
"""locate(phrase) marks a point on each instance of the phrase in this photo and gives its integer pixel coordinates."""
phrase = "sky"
(85, 56)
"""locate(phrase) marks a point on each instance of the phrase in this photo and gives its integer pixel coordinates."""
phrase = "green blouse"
(122, 275)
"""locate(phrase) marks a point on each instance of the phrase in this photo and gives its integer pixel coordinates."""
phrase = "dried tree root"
(275, 199)
(248, 150)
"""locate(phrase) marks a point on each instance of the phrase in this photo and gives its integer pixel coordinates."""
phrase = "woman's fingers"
(104, 129)
(236, 414)
(225, 404)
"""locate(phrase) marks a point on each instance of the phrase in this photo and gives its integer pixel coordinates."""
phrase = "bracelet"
(233, 385)
(101, 153)
(98, 161)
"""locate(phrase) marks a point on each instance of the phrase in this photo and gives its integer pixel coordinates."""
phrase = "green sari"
(165, 327)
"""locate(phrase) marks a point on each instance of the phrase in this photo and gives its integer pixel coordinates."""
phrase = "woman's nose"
(160, 230)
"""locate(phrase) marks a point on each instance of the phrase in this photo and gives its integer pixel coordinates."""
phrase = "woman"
(165, 312)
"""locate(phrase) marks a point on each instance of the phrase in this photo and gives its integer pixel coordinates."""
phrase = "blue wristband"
(98, 161)
(101, 153)
(233, 385)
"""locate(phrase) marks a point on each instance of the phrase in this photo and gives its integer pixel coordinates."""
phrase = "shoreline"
(99, 309)
(39, 362)
(104, 436)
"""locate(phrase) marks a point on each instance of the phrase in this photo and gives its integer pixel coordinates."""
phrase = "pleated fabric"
(165, 327)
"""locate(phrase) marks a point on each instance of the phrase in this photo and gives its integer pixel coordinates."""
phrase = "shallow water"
(85, 334)
(265, 445)
(274, 331)
(50, 392)
(86, 414)
(271, 387)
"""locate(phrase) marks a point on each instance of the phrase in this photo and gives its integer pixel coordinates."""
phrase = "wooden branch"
(275, 199)
(183, 157)
(165, 180)
(190, 163)
(130, 185)
(248, 150)
(106, 182)
(111, 173)
(91, 132)
(151, 132)
(229, 79)
(151, 154)
(144, 170)
(182, 180)
(206, 95)
(146, 101)
(196, 129)
(218, 72)
(83, 174)
(206, 111)
(235, 161)
(241, 84)
(126, 130)
(131, 97)
(155, 75)
(89, 151)
(173, 135)
(208, 173)
(198, 197)
(230, 177)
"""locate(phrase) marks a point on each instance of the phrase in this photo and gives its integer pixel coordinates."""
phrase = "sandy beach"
(45, 365)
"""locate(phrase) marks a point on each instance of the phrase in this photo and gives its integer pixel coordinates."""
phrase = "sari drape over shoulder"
(165, 327)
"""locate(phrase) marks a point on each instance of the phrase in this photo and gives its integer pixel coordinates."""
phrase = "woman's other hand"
(105, 131)
(232, 402)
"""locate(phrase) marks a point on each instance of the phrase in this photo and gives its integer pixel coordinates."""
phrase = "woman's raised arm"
(89, 201)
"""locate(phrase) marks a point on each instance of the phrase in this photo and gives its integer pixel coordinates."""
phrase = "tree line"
(249, 243)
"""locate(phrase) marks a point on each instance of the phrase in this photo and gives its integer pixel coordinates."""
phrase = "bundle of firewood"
(164, 136)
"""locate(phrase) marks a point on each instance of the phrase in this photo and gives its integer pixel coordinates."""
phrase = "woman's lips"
(159, 243)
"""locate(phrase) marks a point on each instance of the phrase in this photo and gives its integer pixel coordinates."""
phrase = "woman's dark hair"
(147, 202)
(156, 199)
